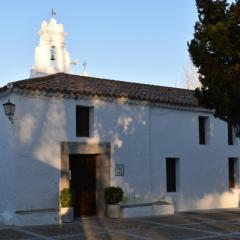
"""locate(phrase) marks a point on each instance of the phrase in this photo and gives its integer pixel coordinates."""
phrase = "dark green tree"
(215, 51)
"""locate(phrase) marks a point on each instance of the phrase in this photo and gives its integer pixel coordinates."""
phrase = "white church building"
(157, 143)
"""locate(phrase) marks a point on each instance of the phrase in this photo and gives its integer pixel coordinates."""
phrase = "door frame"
(103, 167)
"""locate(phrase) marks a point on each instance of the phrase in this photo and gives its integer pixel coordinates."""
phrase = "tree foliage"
(215, 51)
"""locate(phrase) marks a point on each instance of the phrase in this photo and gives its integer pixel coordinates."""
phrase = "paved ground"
(214, 225)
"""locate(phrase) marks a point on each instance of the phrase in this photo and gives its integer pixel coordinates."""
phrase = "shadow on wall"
(40, 132)
(124, 126)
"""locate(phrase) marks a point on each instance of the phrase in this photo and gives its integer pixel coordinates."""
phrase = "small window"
(171, 172)
(233, 174)
(202, 123)
(230, 134)
(82, 121)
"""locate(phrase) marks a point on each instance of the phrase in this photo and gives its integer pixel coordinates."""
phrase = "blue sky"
(131, 40)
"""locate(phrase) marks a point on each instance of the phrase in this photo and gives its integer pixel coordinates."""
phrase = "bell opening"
(52, 53)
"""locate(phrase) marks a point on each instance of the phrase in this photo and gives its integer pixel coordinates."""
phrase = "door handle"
(69, 174)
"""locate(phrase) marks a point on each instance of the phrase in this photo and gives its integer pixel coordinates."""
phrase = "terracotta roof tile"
(76, 85)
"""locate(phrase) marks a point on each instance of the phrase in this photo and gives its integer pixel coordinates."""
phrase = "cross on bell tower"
(84, 72)
(53, 13)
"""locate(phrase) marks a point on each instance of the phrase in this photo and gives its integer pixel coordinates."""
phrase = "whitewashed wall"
(141, 137)
(203, 169)
(42, 124)
(7, 166)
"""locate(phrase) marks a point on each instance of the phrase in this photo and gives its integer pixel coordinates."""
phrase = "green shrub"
(66, 197)
(113, 195)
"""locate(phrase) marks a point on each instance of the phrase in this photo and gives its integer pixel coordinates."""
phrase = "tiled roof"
(76, 85)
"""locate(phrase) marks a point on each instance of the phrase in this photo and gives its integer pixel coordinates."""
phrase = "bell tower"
(51, 55)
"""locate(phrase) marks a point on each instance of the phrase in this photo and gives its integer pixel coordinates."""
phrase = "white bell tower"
(51, 55)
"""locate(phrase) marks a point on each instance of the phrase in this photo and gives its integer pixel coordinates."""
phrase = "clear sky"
(131, 40)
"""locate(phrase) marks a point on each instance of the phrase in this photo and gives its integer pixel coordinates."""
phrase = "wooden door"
(83, 183)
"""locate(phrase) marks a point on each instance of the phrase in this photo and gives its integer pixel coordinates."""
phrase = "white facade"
(141, 137)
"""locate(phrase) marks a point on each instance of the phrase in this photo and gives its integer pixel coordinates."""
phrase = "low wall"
(146, 209)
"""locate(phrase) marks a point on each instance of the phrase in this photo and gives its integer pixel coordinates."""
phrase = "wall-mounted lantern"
(9, 109)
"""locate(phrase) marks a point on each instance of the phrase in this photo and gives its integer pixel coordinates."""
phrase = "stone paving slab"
(199, 225)
(119, 224)
(214, 215)
(220, 227)
(7, 234)
(171, 220)
(100, 236)
(222, 238)
(235, 221)
(63, 229)
(170, 233)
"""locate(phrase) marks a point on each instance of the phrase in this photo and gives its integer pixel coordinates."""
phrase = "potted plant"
(66, 201)
(112, 196)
